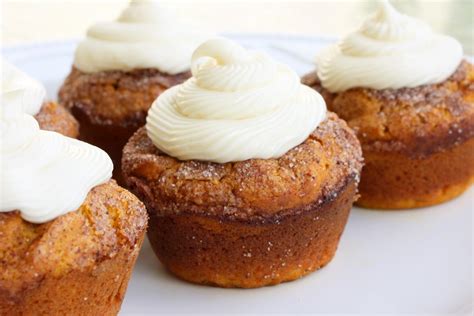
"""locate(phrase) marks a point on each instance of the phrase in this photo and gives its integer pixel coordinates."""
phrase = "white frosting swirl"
(390, 50)
(43, 174)
(238, 105)
(145, 35)
(20, 90)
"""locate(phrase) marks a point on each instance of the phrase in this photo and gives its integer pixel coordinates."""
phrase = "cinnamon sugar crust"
(97, 243)
(252, 223)
(415, 121)
(418, 143)
(116, 98)
(252, 190)
(53, 117)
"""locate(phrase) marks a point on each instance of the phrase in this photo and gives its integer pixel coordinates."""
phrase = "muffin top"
(53, 117)
(242, 139)
(117, 98)
(109, 219)
(145, 35)
(256, 190)
(416, 121)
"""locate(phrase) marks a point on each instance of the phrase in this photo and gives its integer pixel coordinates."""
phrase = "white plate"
(417, 261)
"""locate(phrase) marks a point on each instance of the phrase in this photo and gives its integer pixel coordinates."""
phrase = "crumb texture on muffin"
(418, 143)
(53, 117)
(251, 223)
(252, 189)
(416, 121)
(78, 263)
(118, 98)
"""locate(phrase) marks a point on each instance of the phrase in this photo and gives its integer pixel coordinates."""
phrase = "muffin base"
(96, 291)
(224, 252)
(397, 181)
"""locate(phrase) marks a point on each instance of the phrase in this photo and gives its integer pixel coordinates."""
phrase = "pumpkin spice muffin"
(76, 264)
(233, 200)
(69, 236)
(415, 122)
(120, 69)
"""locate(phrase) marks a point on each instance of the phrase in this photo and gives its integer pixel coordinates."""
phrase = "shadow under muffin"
(111, 105)
(77, 264)
(418, 143)
(251, 223)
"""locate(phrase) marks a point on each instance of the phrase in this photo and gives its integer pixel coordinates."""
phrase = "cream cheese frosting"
(42, 174)
(146, 35)
(389, 50)
(238, 105)
(20, 90)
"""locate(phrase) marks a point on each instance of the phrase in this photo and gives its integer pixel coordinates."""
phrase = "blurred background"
(46, 20)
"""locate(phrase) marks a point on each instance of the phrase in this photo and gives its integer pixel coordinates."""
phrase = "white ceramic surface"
(417, 261)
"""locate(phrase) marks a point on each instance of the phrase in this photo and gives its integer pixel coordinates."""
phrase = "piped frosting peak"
(145, 35)
(42, 174)
(389, 50)
(238, 105)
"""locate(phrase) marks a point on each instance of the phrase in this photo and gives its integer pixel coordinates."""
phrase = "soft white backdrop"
(40, 20)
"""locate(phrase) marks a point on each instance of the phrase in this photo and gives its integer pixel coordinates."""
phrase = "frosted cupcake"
(247, 179)
(50, 115)
(69, 235)
(408, 94)
(121, 67)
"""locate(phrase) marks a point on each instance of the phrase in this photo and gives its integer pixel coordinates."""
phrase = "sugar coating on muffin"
(81, 259)
(251, 190)
(54, 117)
(415, 121)
(70, 237)
(248, 181)
(115, 98)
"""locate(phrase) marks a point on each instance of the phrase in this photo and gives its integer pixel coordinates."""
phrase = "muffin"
(119, 70)
(69, 236)
(409, 96)
(50, 115)
(54, 117)
(247, 180)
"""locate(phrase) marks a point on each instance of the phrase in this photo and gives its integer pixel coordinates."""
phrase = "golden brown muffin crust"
(110, 219)
(212, 251)
(53, 117)
(416, 121)
(252, 190)
(118, 98)
(395, 181)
